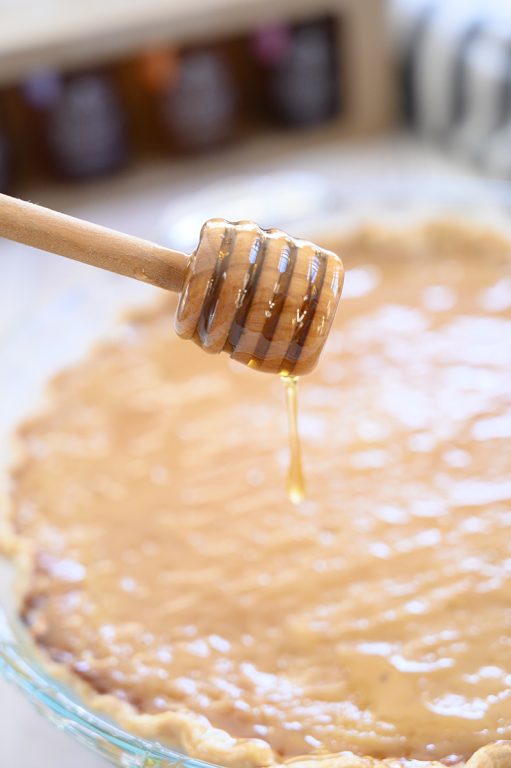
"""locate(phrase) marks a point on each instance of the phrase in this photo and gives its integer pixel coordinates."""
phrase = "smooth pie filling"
(173, 577)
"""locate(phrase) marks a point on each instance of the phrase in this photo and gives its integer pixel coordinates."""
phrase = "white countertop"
(133, 202)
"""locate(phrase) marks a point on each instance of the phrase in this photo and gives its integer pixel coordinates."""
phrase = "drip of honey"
(295, 476)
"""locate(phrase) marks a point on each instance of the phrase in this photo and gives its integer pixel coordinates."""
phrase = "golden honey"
(295, 475)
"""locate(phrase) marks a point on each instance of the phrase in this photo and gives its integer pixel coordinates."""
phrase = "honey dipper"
(265, 298)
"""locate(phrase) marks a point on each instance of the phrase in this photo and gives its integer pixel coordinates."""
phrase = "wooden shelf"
(69, 34)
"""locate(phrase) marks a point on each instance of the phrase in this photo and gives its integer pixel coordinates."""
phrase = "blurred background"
(95, 89)
(126, 111)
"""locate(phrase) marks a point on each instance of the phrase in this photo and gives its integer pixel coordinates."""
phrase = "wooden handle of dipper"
(262, 296)
(82, 241)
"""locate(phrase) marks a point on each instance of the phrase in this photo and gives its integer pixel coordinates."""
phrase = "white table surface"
(133, 202)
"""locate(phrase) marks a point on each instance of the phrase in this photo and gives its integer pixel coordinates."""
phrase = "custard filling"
(178, 587)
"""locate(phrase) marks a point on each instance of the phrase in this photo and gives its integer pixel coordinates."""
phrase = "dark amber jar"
(299, 70)
(5, 160)
(78, 122)
(192, 96)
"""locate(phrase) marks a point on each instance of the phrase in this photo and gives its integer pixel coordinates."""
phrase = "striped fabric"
(456, 58)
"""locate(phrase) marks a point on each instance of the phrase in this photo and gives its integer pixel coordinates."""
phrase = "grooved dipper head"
(264, 297)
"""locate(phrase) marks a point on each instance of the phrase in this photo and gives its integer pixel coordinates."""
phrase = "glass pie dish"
(303, 204)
